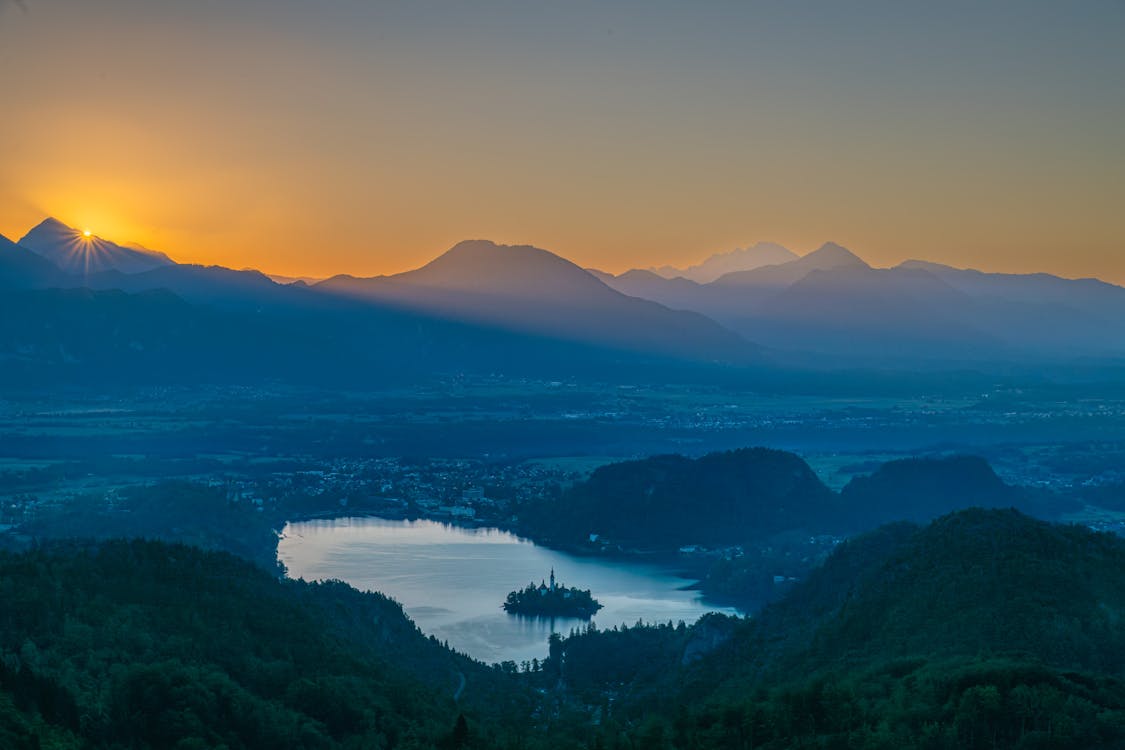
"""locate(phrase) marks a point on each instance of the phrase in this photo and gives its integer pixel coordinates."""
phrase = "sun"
(86, 233)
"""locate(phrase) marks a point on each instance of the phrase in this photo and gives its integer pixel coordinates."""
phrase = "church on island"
(551, 600)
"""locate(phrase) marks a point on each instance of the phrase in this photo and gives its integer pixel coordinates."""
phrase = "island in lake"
(553, 600)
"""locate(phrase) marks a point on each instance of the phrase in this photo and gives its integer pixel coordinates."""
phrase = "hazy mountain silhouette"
(733, 294)
(832, 307)
(826, 309)
(828, 257)
(84, 336)
(286, 280)
(214, 285)
(1040, 312)
(871, 314)
(677, 293)
(77, 254)
(741, 259)
(527, 289)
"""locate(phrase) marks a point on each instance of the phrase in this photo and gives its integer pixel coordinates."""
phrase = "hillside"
(148, 645)
(972, 582)
(753, 494)
(665, 502)
(921, 489)
(985, 629)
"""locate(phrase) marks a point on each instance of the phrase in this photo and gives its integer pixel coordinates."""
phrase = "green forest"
(983, 629)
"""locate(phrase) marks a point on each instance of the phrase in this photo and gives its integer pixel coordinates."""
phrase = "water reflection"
(452, 580)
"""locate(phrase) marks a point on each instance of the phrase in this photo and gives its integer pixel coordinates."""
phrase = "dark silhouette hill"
(921, 489)
(668, 501)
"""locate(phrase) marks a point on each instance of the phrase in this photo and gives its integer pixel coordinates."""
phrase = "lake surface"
(452, 580)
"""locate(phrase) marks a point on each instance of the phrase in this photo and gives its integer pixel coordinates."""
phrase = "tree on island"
(553, 600)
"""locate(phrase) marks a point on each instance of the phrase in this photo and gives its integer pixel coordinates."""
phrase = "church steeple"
(552, 579)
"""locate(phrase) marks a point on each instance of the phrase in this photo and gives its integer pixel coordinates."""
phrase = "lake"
(452, 580)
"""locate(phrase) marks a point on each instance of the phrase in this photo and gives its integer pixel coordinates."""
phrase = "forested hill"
(920, 489)
(749, 495)
(973, 582)
(668, 501)
(149, 645)
(986, 629)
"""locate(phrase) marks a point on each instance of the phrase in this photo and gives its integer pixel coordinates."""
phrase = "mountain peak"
(75, 252)
(53, 224)
(479, 247)
(483, 265)
(530, 290)
(828, 257)
(831, 255)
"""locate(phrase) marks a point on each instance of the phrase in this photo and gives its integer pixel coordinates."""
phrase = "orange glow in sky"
(369, 137)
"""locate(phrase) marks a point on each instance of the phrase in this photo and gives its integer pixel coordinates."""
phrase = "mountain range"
(490, 307)
(831, 306)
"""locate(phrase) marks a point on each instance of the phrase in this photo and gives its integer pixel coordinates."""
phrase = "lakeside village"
(457, 491)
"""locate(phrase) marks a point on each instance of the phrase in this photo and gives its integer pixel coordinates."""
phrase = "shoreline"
(672, 561)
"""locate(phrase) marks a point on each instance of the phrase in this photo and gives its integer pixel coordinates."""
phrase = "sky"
(313, 138)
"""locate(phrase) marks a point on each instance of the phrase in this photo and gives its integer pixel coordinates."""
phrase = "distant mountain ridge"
(826, 310)
(181, 322)
(532, 290)
(830, 305)
(828, 257)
